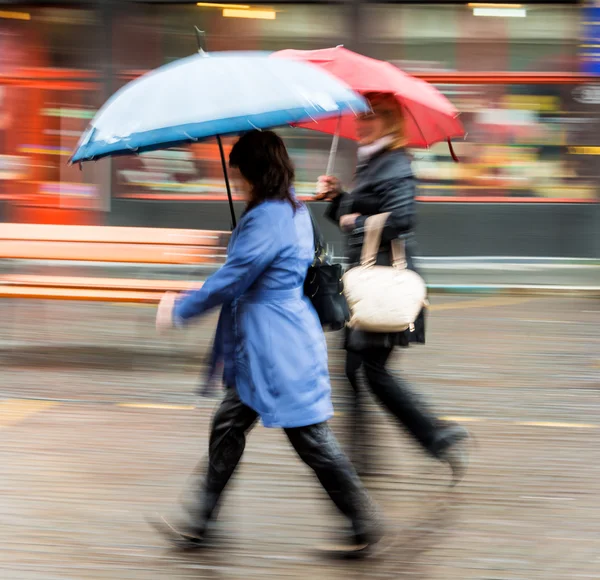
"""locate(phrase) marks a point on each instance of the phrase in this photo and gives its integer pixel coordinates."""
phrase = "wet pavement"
(100, 427)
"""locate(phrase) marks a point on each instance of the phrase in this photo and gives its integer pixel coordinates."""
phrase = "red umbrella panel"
(429, 116)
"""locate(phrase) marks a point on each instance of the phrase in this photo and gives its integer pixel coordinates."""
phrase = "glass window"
(48, 93)
(522, 141)
(195, 172)
(444, 37)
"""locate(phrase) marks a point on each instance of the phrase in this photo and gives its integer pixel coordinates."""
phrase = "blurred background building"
(523, 76)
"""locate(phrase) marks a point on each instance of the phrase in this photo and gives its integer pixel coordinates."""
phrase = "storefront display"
(526, 140)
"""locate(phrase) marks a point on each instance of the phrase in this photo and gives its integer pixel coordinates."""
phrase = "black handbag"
(324, 287)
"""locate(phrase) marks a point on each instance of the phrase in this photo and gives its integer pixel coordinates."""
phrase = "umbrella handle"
(454, 156)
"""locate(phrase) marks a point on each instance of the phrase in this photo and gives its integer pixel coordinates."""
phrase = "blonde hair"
(387, 106)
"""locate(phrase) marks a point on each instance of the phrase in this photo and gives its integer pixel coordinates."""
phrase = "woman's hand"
(348, 222)
(164, 314)
(328, 187)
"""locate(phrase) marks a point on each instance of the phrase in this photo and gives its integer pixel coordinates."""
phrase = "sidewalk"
(101, 428)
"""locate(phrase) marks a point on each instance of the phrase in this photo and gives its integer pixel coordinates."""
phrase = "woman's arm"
(398, 198)
(255, 247)
(338, 207)
(330, 188)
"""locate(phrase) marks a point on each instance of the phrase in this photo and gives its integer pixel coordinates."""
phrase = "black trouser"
(315, 444)
(397, 397)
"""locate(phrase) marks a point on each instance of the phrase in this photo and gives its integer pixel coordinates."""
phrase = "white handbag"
(383, 298)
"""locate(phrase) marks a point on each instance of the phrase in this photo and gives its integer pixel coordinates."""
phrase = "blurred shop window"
(137, 37)
(48, 98)
(294, 26)
(453, 38)
(70, 38)
(195, 172)
(523, 141)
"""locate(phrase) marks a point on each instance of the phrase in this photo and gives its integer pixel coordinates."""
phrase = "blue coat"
(269, 336)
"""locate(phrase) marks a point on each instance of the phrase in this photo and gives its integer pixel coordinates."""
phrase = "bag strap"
(318, 240)
(373, 229)
(399, 254)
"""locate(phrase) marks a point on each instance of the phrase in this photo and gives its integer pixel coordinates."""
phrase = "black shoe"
(454, 451)
(355, 546)
(182, 537)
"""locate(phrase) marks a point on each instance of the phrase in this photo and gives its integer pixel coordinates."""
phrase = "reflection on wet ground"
(100, 428)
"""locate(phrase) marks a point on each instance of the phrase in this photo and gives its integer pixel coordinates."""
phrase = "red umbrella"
(429, 116)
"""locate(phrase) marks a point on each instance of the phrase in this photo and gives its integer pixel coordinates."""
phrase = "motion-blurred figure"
(384, 182)
(271, 343)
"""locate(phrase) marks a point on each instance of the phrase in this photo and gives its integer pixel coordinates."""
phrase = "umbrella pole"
(334, 147)
(201, 40)
(332, 154)
(227, 184)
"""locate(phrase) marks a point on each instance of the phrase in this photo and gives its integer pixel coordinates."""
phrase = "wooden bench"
(103, 244)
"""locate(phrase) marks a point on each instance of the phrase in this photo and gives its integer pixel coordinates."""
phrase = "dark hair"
(264, 162)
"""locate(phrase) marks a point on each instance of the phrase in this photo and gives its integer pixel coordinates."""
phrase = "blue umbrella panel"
(212, 95)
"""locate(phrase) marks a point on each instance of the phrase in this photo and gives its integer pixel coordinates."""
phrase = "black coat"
(384, 184)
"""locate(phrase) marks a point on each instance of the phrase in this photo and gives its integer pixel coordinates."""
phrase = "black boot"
(356, 545)
(191, 533)
(181, 536)
(451, 447)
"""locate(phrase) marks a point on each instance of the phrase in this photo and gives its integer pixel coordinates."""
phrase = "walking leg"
(230, 425)
(358, 427)
(318, 448)
(438, 438)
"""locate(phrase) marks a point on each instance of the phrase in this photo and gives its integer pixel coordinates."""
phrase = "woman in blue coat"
(269, 340)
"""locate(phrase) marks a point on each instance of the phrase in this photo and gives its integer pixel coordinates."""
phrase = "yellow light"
(256, 14)
(490, 5)
(15, 15)
(216, 5)
(584, 150)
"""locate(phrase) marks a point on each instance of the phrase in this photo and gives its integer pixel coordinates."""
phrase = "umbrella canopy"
(430, 117)
(213, 94)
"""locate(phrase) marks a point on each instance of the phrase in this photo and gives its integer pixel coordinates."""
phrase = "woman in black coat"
(384, 183)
